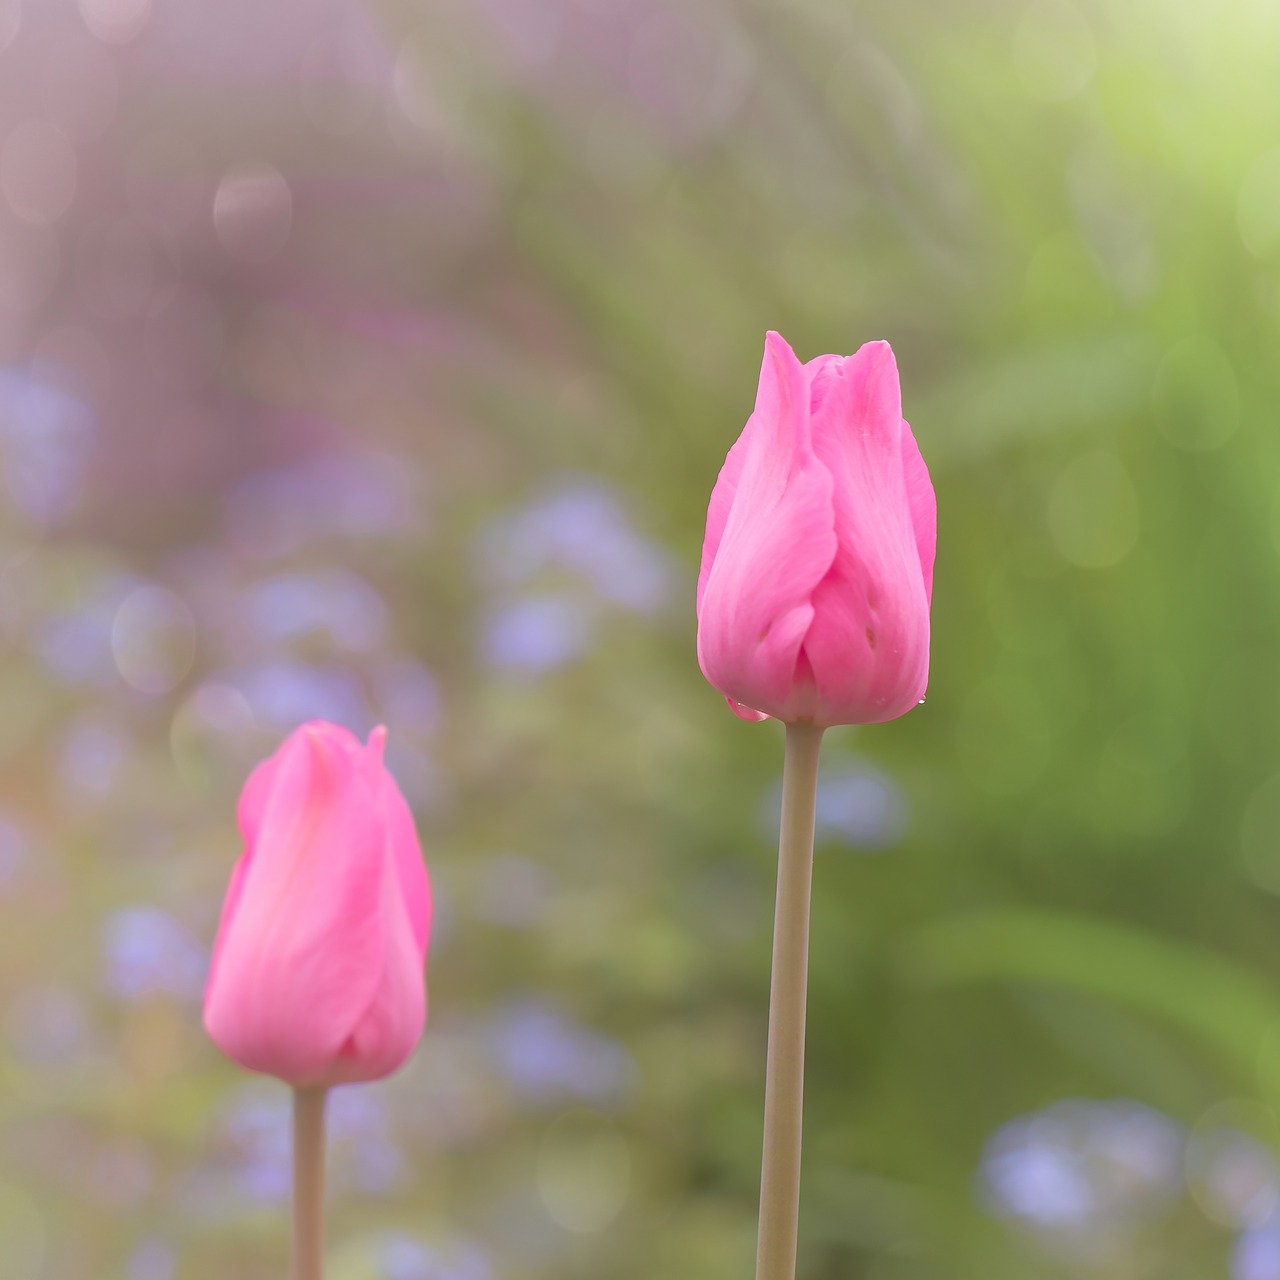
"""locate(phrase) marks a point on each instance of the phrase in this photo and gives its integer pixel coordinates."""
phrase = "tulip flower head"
(317, 971)
(817, 567)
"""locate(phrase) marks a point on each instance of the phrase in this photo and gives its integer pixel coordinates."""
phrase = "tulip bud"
(817, 567)
(317, 970)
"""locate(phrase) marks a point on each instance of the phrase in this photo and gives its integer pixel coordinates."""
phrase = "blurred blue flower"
(93, 757)
(1257, 1253)
(353, 494)
(858, 805)
(76, 646)
(256, 1129)
(536, 635)
(344, 605)
(545, 1056)
(408, 696)
(282, 694)
(146, 951)
(1083, 1167)
(402, 1257)
(582, 527)
(405, 1257)
(45, 436)
(256, 1157)
(360, 1138)
(13, 850)
(151, 1260)
(1235, 1177)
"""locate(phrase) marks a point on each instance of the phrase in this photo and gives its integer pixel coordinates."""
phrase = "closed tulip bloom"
(817, 568)
(317, 971)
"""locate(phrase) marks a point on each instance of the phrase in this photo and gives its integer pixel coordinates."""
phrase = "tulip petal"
(392, 1023)
(234, 890)
(253, 799)
(257, 788)
(249, 809)
(776, 544)
(406, 852)
(390, 1026)
(301, 954)
(869, 642)
(718, 508)
(820, 371)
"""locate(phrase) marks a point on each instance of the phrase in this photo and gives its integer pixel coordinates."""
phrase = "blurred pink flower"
(317, 971)
(817, 568)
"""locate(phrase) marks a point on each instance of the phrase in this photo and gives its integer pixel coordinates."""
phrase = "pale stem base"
(308, 1183)
(784, 1071)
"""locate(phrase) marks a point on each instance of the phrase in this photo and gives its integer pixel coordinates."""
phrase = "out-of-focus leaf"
(1039, 392)
(1226, 1006)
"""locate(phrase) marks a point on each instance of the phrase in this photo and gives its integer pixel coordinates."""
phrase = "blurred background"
(375, 362)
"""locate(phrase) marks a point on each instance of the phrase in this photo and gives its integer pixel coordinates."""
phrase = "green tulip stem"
(784, 1070)
(308, 1182)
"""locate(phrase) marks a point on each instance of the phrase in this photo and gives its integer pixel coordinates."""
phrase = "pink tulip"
(817, 568)
(317, 971)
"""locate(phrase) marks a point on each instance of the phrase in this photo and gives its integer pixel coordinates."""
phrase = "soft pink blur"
(817, 568)
(317, 973)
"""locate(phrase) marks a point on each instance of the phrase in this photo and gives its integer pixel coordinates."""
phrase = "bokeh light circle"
(115, 21)
(253, 212)
(1231, 1168)
(584, 1171)
(153, 639)
(1093, 511)
(38, 171)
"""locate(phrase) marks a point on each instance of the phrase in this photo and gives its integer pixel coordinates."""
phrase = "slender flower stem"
(784, 1071)
(308, 1183)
